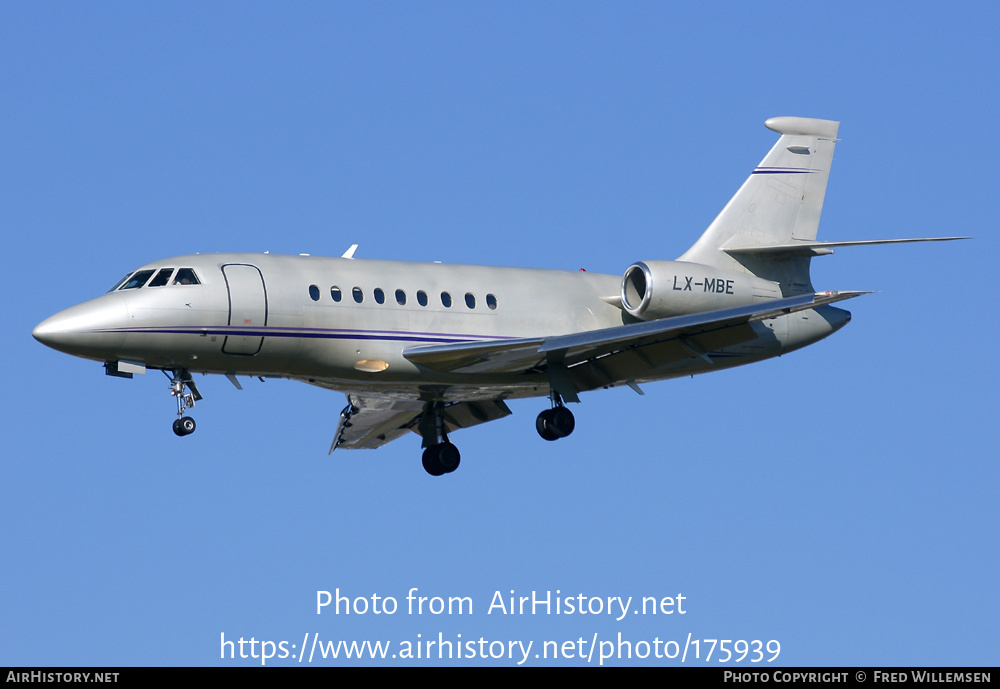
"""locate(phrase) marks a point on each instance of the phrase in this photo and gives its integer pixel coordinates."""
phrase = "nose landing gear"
(179, 382)
(184, 425)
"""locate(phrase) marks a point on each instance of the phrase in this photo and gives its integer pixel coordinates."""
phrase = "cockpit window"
(120, 282)
(137, 280)
(186, 276)
(162, 278)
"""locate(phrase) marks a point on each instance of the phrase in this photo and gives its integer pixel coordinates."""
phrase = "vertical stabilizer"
(780, 202)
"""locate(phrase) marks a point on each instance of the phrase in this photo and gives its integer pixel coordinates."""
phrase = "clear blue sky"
(841, 500)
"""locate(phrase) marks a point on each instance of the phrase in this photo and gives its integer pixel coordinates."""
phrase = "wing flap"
(367, 423)
(466, 414)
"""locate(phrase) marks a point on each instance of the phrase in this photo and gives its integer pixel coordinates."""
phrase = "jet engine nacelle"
(658, 289)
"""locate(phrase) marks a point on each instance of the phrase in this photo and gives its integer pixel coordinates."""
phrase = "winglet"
(350, 252)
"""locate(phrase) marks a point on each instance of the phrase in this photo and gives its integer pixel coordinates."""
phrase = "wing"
(367, 423)
(650, 343)
(579, 361)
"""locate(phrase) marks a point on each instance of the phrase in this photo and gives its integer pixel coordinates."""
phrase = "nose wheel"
(182, 387)
(184, 426)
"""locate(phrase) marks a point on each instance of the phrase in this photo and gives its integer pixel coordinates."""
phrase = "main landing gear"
(440, 456)
(179, 382)
(557, 422)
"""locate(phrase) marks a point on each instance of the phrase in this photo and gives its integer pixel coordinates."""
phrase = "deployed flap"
(466, 414)
(516, 356)
(367, 423)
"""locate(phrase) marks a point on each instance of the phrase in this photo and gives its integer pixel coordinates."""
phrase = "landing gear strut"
(557, 422)
(179, 382)
(440, 456)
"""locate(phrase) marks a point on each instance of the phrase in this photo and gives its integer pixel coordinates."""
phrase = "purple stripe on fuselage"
(310, 333)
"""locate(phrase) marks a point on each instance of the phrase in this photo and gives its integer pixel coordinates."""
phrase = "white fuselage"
(273, 315)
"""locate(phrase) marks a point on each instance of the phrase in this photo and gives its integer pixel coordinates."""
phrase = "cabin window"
(401, 297)
(446, 300)
(137, 280)
(491, 301)
(314, 292)
(336, 294)
(379, 295)
(358, 295)
(422, 298)
(162, 278)
(470, 300)
(186, 276)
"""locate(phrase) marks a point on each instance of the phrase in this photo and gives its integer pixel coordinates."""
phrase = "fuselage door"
(247, 309)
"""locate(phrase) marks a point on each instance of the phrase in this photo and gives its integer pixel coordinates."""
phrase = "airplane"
(431, 348)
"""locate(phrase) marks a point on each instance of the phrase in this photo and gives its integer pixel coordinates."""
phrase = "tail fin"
(780, 202)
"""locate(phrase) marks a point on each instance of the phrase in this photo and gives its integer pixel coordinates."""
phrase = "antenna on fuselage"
(350, 252)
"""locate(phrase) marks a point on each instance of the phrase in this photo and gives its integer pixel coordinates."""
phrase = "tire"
(430, 462)
(543, 425)
(562, 422)
(448, 457)
(441, 459)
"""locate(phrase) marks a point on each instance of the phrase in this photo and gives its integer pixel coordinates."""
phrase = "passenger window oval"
(470, 300)
(401, 297)
(358, 295)
(446, 299)
(379, 295)
(336, 294)
(314, 292)
(422, 298)
(491, 302)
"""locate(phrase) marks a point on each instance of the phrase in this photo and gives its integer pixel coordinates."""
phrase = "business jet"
(432, 348)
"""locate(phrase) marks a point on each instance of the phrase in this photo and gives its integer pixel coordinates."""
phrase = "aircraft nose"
(94, 329)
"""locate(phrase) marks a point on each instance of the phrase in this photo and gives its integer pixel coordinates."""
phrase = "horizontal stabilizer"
(814, 248)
